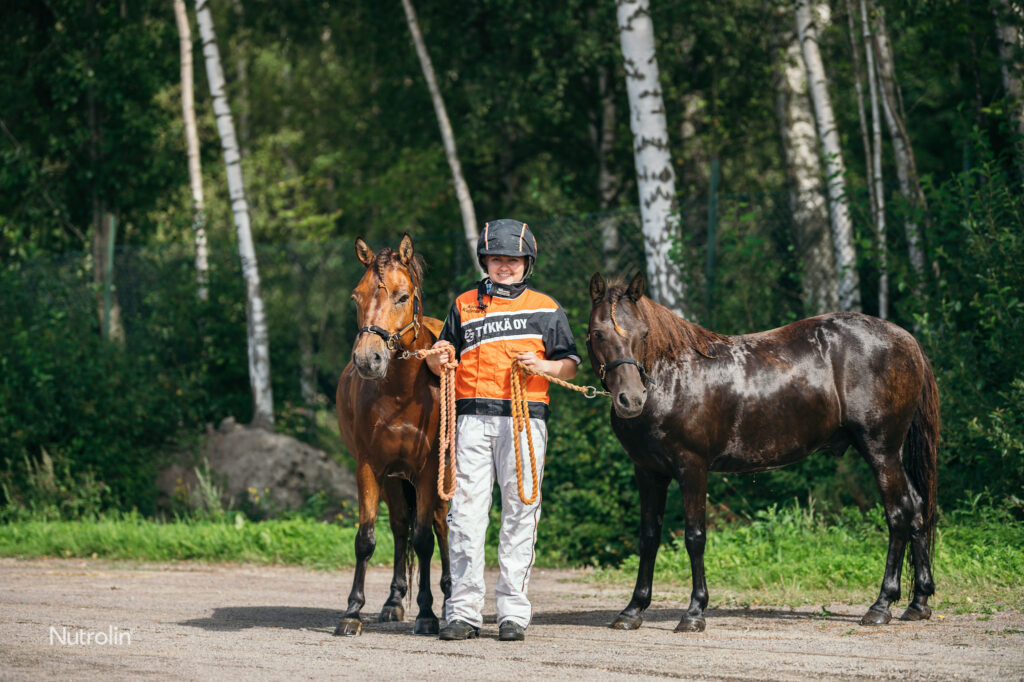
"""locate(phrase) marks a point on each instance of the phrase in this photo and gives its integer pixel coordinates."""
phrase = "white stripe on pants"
(485, 449)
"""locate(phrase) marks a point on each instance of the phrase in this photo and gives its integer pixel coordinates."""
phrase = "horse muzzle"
(629, 404)
(371, 360)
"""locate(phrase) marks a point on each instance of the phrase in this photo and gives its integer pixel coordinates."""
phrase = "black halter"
(607, 367)
(644, 376)
(394, 340)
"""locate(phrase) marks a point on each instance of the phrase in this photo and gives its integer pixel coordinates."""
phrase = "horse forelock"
(388, 256)
(668, 333)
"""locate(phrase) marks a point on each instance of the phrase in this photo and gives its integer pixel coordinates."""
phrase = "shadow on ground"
(236, 618)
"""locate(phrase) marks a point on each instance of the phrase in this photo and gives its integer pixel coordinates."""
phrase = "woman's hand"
(564, 369)
(436, 360)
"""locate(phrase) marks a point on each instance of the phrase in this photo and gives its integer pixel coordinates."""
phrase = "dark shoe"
(458, 629)
(511, 631)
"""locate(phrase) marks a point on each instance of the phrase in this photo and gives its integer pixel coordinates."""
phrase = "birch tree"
(259, 341)
(835, 171)
(654, 173)
(602, 135)
(875, 163)
(195, 177)
(906, 166)
(1009, 17)
(447, 136)
(809, 211)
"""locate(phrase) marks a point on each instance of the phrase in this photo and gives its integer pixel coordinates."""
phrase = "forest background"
(339, 139)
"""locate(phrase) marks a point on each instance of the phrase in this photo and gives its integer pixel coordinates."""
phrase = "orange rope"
(446, 428)
(521, 422)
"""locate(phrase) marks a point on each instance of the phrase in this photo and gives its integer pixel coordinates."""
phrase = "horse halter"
(394, 340)
(605, 368)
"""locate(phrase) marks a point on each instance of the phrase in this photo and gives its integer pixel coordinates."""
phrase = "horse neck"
(673, 333)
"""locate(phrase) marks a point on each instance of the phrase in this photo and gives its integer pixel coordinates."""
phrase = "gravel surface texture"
(198, 621)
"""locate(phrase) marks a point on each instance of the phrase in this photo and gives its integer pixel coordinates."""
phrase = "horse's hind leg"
(695, 489)
(423, 543)
(400, 498)
(903, 510)
(366, 542)
(920, 552)
(441, 532)
(653, 488)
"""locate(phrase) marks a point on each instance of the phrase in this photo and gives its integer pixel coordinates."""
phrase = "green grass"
(787, 556)
(793, 556)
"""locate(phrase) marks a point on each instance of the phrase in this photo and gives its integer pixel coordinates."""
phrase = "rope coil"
(520, 418)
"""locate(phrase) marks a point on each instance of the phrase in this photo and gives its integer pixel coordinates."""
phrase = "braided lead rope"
(446, 428)
(521, 418)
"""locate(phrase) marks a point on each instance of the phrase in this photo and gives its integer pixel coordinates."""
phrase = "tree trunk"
(655, 175)
(906, 167)
(448, 137)
(259, 341)
(820, 288)
(877, 189)
(608, 180)
(1009, 17)
(835, 172)
(195, 176)
(858, 73)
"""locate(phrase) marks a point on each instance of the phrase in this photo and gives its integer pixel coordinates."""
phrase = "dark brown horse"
(687, 401)
(388, 417)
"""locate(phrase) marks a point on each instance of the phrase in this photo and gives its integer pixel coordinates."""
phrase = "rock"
(260, 472)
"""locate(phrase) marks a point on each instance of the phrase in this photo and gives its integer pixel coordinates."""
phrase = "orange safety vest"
(487, 340)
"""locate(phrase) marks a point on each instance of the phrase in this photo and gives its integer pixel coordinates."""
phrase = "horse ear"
(405, 249)
(597, 287)
(636, 287)
(363, 252)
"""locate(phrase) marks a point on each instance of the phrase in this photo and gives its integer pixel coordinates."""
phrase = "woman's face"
(506, 269)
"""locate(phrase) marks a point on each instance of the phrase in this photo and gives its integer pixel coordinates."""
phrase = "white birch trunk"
(447, 136)
(1009, 17)
(820, 288)
(877, 189)
(195, 176)
(654, 173)
(906, 167)
(835, 172)
(259, 340)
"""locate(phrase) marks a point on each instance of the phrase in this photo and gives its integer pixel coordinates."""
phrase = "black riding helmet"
(507, 237)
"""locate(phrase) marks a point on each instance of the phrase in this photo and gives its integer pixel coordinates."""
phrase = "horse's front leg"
(366, 541)
(652, 488)
(695, 487)
(399, 496)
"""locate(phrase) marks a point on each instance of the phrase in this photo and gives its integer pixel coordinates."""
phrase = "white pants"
(485, 450)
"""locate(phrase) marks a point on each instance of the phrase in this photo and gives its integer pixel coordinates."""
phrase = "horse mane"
(668, 333)
(388, 256)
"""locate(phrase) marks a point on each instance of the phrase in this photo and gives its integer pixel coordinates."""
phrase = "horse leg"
(920, 552)
(695, 488)
(366, 541)
(441, 531)
(423, 543)
(900, 510)
(653, 488)
(400, 510)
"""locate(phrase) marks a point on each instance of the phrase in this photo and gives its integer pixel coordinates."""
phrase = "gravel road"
(197, 621)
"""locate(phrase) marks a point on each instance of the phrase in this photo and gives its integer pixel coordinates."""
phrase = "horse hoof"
(624, 622)
(917, 613)
(691, 624)
(426, 626)
(349, 627)
(876, 617)
(391, 614)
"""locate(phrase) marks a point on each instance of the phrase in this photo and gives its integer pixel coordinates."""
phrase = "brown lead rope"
(446, 428)
(521, 418)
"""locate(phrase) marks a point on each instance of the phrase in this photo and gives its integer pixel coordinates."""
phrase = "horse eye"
(403, 298)
(597, 335)
(644, 336)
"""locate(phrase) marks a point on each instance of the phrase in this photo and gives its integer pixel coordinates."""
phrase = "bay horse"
(387, 405)
(687, 401)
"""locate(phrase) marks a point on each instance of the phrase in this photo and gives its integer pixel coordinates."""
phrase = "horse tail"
(921, 450)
